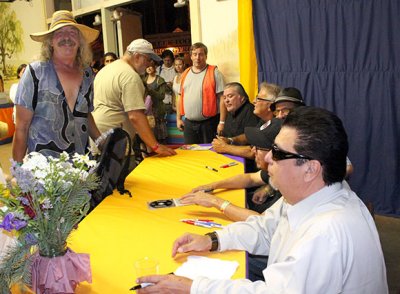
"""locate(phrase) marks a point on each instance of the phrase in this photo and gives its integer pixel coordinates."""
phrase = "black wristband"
(214, 241)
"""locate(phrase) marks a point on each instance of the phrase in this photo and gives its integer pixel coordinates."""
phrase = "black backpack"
(113, 166)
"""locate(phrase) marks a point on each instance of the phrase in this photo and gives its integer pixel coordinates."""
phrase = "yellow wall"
(215, 23)
(31, 16)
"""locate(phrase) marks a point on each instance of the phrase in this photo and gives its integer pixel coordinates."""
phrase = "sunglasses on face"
(279, 154)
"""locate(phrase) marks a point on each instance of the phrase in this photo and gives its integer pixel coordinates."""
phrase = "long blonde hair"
(83, 56)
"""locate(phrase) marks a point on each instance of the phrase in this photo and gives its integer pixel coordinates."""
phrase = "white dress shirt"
(327, 243)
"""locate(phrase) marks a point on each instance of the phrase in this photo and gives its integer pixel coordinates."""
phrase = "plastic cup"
(146, 266)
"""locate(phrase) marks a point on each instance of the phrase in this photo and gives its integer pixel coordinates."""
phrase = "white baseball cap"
(145, 47)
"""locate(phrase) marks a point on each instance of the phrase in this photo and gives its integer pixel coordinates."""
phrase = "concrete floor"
(388, 228)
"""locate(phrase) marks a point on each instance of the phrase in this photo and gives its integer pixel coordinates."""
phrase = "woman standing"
(156, 88)
(176, 86)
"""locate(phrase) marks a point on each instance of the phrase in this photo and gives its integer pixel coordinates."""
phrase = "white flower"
(47, 204)
(83, 175)
(34, 161)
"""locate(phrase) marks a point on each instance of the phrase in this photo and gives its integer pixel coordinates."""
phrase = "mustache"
(68, 42)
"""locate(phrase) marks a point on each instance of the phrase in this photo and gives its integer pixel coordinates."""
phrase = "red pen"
(229, 164)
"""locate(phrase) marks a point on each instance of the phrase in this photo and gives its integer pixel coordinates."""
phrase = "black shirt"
(241, 118)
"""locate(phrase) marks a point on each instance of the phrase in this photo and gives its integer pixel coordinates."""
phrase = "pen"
(140, 286)
(229, 164)
(144, 285)
(201, 223)
(197, 223)
(196, 219)
(211, 168)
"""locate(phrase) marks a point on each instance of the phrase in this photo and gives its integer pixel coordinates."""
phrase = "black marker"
(211, 168)
(140, 286)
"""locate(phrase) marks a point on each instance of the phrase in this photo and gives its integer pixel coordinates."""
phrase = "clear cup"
(146, 266)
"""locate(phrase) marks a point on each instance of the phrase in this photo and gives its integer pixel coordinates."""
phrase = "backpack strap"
(35, 87)
(125, 169)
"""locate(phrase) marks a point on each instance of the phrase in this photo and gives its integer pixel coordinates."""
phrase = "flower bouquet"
(41, 205)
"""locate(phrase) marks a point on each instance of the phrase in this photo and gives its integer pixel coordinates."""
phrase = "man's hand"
(219, 145)
(180, 124)
(220, 129)
(200, 198)
(163, 150)
(261, 194)
(191, 242)
(165, 284)
(208, 187)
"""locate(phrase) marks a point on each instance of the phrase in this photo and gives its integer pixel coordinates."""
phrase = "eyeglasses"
(258, 99)
(284, 111)
(279, 154)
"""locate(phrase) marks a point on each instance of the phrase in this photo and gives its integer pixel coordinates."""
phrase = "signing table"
(121, 229)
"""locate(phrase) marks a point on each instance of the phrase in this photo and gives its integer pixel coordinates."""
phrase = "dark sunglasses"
(279, 154)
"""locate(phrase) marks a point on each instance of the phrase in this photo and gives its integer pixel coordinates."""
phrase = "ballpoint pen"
(211, 168)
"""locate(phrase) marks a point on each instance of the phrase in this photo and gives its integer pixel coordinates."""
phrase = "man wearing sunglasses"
(319, 235)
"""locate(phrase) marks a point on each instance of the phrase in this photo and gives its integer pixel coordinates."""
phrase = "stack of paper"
(200, 266)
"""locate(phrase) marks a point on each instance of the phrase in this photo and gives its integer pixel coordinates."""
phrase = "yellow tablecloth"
(122, 229)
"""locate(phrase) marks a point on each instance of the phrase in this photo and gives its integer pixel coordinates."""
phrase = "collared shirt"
(265, 125)
(236, 122)
(54, 127)
(327, 243)
(167, 73)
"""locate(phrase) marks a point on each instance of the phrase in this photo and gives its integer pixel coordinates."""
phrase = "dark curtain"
(343, 55)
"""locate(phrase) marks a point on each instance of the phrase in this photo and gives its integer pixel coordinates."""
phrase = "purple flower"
(10, 223)
(30, 239)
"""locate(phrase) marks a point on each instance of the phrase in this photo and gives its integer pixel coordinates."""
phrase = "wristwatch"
(214, 241)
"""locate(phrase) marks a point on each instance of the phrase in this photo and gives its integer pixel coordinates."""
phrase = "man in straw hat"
(54, 98)
(119, 95)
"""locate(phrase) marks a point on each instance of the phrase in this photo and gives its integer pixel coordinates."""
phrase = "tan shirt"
(117, 90)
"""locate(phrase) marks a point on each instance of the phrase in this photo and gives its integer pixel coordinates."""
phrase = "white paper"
(200, 266)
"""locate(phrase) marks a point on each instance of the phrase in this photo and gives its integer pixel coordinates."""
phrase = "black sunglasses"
(279, 154)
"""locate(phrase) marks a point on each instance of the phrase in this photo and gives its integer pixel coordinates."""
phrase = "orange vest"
(209, 103)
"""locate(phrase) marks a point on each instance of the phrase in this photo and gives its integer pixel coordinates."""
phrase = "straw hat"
(64, 18)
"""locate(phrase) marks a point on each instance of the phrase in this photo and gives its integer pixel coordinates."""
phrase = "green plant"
(42, 205)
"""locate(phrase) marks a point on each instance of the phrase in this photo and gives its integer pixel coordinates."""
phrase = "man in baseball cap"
(145, 47)
(119, 95)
